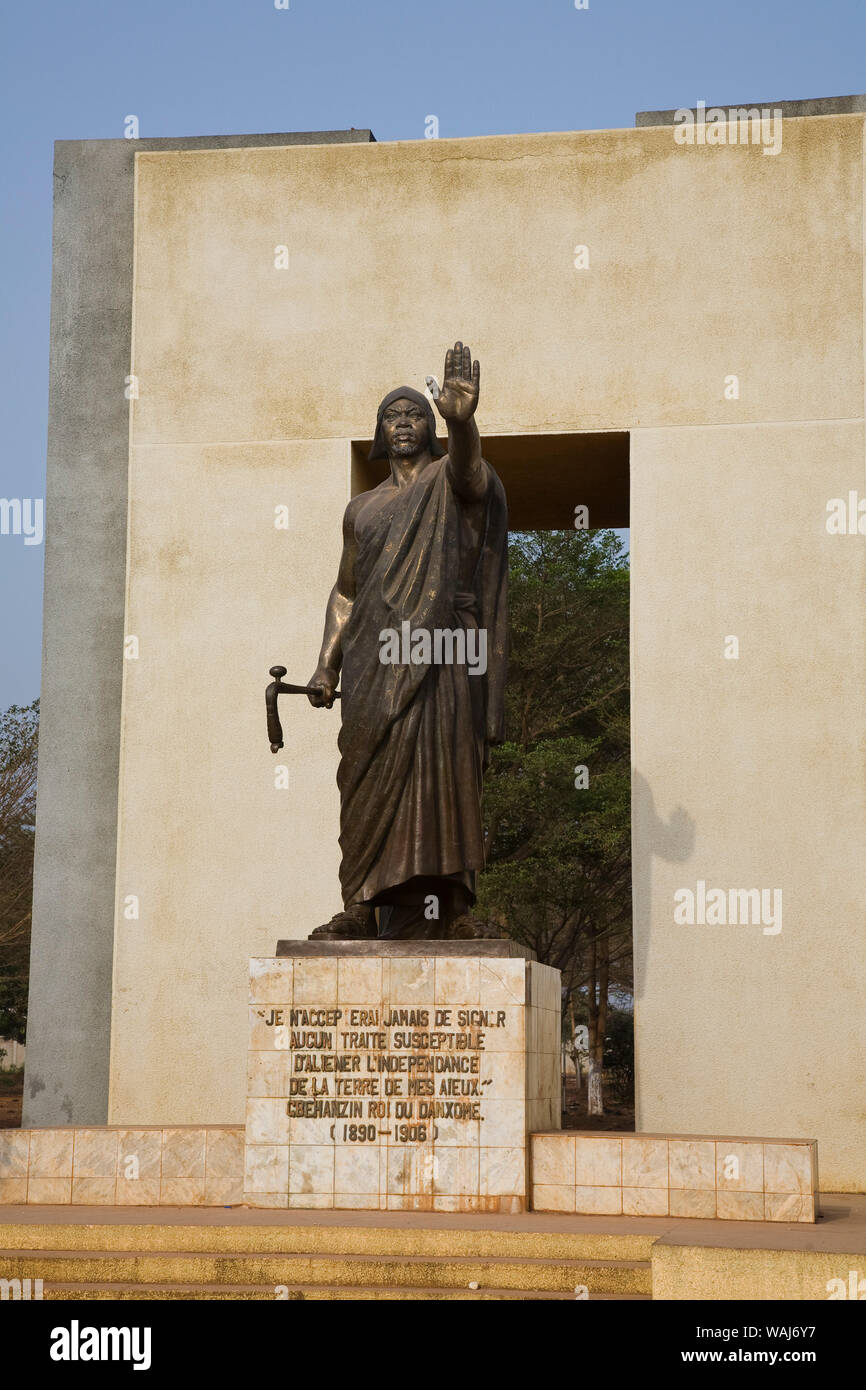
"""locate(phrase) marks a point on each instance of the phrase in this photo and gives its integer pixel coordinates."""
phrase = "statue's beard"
(406, 449)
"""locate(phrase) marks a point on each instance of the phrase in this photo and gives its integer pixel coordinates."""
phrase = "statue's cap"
(408, 393)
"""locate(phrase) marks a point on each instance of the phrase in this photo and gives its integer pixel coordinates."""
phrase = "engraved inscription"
(396, 1070)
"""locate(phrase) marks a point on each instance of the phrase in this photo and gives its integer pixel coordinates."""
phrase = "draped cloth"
(415, 739)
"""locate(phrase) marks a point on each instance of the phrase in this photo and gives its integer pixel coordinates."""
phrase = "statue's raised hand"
(457, 398)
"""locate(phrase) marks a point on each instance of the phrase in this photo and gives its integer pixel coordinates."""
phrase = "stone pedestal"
(399, 1076)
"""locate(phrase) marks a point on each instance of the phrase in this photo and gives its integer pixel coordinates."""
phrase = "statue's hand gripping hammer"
(278, 687)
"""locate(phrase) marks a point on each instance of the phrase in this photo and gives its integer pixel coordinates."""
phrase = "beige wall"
(749, 773)
(703, 262)
(221, 860)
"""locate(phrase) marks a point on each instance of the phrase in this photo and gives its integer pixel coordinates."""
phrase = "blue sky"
(212, 67)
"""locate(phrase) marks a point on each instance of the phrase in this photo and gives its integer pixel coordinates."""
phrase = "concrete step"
(300, 1292)
(335, 1238)
(99, 1267)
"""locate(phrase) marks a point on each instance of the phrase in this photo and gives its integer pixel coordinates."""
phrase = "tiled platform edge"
(179, 1166)
(586, 1173)
(674, 1175)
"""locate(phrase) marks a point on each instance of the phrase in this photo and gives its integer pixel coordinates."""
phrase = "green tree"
(558, 839)
(619, 1053)
(19, 729)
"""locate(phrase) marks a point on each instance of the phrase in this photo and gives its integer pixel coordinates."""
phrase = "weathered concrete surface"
(591, 1237)
(66, 1077)
(747, 774)
(688, 1259)
(801, 1262)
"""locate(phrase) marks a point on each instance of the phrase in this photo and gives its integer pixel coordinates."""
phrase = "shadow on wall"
(652, 837)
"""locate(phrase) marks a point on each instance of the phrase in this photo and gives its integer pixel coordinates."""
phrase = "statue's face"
(405, 429)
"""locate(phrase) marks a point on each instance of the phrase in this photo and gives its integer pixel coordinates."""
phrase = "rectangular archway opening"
(546, 476)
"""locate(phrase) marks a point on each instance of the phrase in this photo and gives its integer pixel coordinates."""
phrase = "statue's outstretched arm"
(456, 402)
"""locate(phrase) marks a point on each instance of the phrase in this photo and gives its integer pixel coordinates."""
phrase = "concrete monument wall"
(705, 264)
(69, 1014)
(748, 773)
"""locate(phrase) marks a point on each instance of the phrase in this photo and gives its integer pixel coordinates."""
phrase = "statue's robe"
(415, 739)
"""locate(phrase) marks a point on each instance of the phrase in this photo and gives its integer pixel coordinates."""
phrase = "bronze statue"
(416, 625)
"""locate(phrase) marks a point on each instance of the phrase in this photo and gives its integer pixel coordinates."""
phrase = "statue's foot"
(355, 923)
(470, 928)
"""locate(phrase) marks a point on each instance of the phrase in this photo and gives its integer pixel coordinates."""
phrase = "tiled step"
(302, 1292)
(344, 1270)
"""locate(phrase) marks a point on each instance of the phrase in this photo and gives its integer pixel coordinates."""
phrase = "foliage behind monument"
(19, 732)
(559, 854)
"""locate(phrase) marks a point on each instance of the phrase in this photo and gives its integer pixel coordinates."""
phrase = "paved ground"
(842, 1227)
